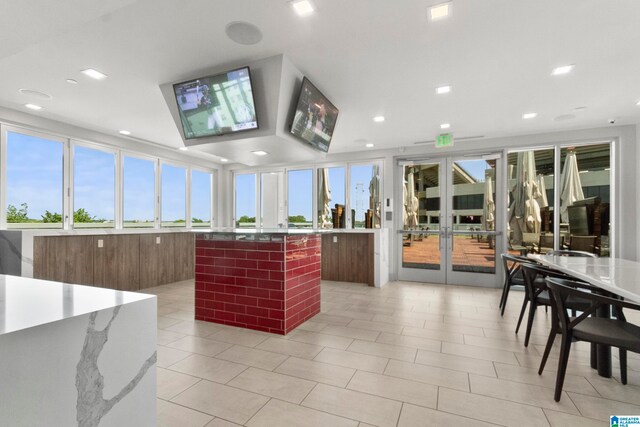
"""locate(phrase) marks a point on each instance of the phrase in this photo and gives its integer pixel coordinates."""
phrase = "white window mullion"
(119, 193)
(67, 179)
(187, 198)
(3, 177)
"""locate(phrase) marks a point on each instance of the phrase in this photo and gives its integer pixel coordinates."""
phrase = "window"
(200, 199)
(331, 182)
(531, 211)
(300, 198)
(585, 187)
(365, 196)
(138, 192)
(34, 182)
(245, 198)
(174, 193)
(94, 196)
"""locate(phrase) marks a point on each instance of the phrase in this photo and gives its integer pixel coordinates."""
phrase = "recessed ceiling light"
(35, 93)
(439, 11)
(183, 148)
(378, 119)
(302, 7)
(445, 126)
(222, 159)
(94, 74)
(33, 107)
(260, 153)
(638, 103)
(125, 132)
(369, 145)
(443, 89)
(529, 115)
(72, 81)
(565, 69)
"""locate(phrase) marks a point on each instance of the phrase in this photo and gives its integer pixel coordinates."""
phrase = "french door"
(447, 232)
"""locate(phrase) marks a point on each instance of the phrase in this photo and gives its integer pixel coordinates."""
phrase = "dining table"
(615, 275)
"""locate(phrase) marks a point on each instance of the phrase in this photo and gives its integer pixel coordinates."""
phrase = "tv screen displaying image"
(216, 105)
(315, 117)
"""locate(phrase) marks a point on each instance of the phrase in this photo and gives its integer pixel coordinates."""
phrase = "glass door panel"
(449, 221)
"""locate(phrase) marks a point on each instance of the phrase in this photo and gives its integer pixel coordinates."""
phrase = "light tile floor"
(408, 354)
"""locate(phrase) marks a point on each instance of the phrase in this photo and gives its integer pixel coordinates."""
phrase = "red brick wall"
(302, 273)
(243, 283)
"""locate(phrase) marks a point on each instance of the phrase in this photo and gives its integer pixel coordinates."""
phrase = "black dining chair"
(512, 275)
(564, 252)
(536, 294)
(614, 332)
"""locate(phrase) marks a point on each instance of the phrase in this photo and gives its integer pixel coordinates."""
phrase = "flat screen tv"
(315, 117)
(216, 105)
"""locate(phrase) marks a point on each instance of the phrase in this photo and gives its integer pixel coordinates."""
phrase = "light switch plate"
(335, 239)
(157, 240)
(100, 243)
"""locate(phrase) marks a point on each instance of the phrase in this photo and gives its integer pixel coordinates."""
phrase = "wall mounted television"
(315, 117)
(217, 105)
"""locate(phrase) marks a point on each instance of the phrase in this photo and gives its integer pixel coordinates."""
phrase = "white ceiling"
(370, 57)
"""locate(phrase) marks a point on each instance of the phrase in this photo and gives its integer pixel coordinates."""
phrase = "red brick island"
(264, 281)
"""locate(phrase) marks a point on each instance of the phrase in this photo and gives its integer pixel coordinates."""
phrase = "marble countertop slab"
(27, 303)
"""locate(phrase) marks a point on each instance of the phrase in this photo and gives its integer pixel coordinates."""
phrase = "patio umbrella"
(524, 212)
(374, 194)
(570, 185)
(541, 195)
(411, 202)
(324, 197)
(489, 204)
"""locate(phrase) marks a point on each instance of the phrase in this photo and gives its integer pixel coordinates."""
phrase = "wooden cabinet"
(68, 260)
(156, 259)
(116, 261)
(348, 257)
(127, 262)
(184, 247)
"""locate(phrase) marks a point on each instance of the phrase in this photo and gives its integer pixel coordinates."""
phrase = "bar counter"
(258, 279)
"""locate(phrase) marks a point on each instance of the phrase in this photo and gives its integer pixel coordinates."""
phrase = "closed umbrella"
(411, 202)
(570, 185)
(374, 194)
(489, 204)
(324, 197)
(541, 196)
(524, 212)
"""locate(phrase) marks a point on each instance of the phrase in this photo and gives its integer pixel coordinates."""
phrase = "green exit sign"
(444, 140)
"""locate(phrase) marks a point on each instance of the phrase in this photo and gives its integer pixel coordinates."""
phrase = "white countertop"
(26, 303)
(619, 276)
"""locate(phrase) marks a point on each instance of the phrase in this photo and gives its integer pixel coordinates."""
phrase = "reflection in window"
(530, 186)
(174, 193)
(245, 197)
(331, 197)
(34, 182)
(200, 199)
(300, 198)
(365, 196)
(93, 188)
(139, 192)
(585, 198)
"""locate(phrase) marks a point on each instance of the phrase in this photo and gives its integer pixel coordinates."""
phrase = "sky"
(34, 176)
(300, 191)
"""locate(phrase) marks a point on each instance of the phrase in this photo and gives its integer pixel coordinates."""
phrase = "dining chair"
(616, 332)
(584, 243)
(512, 276)
(536, 294)
(565, 252)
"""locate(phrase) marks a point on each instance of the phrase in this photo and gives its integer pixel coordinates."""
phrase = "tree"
(51, 217)
(196, 220)
(82, 215)
(245, 218)
(297, 218)
(17, 215)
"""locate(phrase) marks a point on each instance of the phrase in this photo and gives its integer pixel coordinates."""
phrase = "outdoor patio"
(468, 254)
